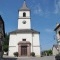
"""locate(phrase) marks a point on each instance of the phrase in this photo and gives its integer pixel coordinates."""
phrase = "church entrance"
(23, 50)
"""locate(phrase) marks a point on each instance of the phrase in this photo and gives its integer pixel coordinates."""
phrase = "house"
(56, 48)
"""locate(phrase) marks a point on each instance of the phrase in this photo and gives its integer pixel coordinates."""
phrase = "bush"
(16, 54)
(33, 54)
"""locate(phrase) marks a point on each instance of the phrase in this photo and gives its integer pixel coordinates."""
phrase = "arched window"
(24, 14)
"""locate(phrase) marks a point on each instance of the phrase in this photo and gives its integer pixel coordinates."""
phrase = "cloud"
(38, 10)
(48, 30)
(57, 7)
(46, 11)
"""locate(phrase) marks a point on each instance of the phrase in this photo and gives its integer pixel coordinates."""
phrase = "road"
(30, 58)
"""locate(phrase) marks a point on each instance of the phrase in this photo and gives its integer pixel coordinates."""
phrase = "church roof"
(24, 31)
(24, 7)
(57, 27)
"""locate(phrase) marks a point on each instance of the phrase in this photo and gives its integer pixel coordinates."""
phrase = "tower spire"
(24, 7)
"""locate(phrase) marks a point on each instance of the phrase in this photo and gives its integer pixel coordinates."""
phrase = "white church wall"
(12, 40)
(15, 39)
(36, 41)
(21, 14)
(37, 51)
(22, 36)
(12, 50)
(12, 44)
(36, 44)
(27, 36)
(24, 26)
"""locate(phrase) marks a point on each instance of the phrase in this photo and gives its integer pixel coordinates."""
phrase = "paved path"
(30, 58)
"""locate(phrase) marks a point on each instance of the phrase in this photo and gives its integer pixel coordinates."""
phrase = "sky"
(44, 16)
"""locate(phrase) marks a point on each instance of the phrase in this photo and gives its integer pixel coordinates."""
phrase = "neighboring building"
(56, 48)
(24, 40)
(2, 35)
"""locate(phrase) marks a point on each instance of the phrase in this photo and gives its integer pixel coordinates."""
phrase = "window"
(24, 39)
(59, 32)
(24, 14)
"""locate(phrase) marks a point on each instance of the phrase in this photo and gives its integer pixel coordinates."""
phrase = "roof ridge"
(24, 31)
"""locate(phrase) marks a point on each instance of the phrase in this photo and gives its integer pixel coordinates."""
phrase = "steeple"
(24, 17)
(24, 7)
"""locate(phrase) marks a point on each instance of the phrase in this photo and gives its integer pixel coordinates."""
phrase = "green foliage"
(33, 54)
(6, 43)
(46, 53)
(16, 54)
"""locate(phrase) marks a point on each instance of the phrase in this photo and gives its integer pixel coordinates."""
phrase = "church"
(24, 39)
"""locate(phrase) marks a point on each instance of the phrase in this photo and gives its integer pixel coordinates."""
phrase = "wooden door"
(23, 50)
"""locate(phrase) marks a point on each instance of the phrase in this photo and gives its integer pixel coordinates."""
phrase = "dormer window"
(24, 14)
(59, 32)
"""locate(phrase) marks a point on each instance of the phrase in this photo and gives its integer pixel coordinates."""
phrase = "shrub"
(33, 54)
(16, 54)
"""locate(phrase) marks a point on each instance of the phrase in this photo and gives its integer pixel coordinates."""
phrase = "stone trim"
(24, 44)
(24, 18)
(36, 46)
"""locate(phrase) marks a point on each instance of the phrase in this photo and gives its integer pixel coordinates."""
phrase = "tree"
(46, 52)
(6, 43)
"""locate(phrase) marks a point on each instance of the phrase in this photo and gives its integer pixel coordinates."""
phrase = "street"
(30, 58)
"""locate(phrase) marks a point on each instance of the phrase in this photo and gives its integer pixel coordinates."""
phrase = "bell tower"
(24, 21)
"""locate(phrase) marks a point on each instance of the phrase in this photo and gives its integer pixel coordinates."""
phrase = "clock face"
(24, 22)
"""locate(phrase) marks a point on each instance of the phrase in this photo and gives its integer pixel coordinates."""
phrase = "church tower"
(24, 17)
